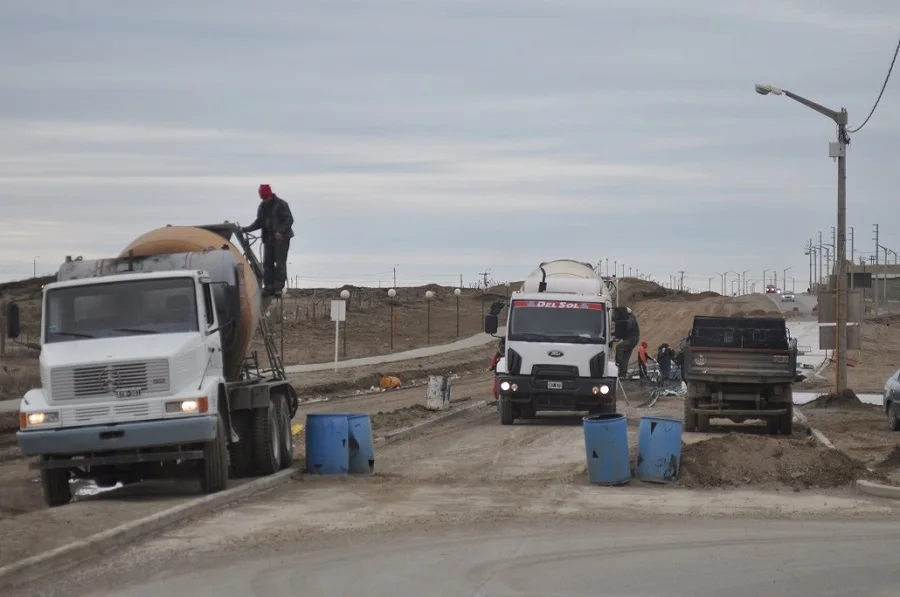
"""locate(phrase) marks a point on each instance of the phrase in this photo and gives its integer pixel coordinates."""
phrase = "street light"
(457, 292)
(723, 276)
(391, 294)
(764, 281)
(428, 296)
(744, 281)
(784, 277)
(836, 149)
(34, 266)
(345, 295)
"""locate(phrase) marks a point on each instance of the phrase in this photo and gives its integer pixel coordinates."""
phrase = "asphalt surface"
(640, 558)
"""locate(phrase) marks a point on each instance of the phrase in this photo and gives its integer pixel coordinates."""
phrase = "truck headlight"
(505, 386)
(189, 406)
(38, 418)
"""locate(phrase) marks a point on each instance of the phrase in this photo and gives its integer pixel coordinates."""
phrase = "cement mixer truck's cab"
(133, 379)
(559, 337)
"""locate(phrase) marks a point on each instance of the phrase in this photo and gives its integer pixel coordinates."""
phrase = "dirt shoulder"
(27, 527)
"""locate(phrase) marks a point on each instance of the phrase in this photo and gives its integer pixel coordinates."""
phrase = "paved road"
(643, 558)
(418, 353)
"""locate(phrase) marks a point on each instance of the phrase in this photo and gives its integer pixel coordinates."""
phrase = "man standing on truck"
(274, 219)
(627, 346)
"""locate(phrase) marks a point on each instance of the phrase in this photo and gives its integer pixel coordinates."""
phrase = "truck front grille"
(96, 381)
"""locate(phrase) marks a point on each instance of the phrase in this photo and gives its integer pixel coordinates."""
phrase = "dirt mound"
(891, 461)
(400, 417)
(845, 399)
(745, 460)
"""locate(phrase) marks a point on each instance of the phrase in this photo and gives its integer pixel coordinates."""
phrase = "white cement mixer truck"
(559, 344)
(146, 369)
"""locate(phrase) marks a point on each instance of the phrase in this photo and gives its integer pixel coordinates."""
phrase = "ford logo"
(555, 353)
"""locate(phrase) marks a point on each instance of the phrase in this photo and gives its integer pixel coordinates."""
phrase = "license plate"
(129, 393)
(780, 358)
(554, 385)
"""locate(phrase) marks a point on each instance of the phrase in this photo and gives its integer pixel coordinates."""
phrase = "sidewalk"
(418, 353)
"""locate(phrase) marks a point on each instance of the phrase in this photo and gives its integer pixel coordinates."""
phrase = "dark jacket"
(273, 216)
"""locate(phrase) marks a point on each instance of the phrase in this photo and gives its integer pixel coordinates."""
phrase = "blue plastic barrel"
(606, 448)
(327, 444)
(362, 447)
(659, 449)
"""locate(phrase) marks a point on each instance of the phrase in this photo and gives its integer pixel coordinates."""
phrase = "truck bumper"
(122, 436)
(576, 395)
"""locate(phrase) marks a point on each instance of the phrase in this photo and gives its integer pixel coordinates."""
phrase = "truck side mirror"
(490, 324)
(13, 326)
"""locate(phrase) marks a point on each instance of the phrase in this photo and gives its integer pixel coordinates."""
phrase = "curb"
(39, 565)
(36, 566)
(885, 491)
(427, 424)
(820, 437)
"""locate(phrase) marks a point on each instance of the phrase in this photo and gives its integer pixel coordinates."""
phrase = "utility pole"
(877, 247)
(821, 255)
(484, 277)
(852, 259)
(395, 278)
(681, 281)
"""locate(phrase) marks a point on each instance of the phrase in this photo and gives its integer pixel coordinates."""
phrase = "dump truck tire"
(690, 419)
(287, 440)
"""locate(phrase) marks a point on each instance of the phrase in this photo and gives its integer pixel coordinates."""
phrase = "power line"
(880, 93)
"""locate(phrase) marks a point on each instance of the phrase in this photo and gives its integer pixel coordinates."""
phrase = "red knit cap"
(265, 191)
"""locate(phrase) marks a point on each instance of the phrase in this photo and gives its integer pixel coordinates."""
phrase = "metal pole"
(392, 323)
(345, 338)
(428, 322)
(457, 316)
(841, 282)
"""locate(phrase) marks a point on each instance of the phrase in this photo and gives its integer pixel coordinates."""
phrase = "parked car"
(891, 400)
(788, 297)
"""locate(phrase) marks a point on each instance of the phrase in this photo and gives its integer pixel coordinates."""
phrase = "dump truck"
(739, 368)
(147, 370)
(559, 343)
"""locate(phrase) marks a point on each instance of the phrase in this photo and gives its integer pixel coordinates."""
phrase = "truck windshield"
(115, 309)
(557, 321)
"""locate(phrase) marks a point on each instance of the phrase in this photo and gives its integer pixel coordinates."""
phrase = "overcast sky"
(446, 137)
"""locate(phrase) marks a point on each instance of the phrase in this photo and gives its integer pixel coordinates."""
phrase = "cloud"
(446, 136)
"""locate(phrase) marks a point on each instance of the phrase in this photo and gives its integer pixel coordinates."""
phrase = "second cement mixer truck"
(559, 343)
(146, 369)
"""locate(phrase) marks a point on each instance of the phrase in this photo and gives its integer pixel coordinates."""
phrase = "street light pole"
(391, 294)
(428, 296)
(457, 292)
(744, 282)
(836, 149)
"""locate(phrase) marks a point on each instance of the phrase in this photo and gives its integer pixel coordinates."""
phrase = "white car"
(787, 297)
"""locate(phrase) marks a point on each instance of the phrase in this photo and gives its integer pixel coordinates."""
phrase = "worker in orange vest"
(643, 358)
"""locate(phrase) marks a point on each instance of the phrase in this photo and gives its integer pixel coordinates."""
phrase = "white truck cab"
(559, 344)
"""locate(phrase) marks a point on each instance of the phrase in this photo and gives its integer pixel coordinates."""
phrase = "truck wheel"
(690, 419)
(703, 423)
(215, 462)
(773, 424)
(55, 483)
(787, 421)
(241, 453)
(894, 416)
(507, 416)
(287, 439)
(266, 439)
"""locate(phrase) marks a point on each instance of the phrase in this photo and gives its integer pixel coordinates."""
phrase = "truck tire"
(287, 439)
(266, 439)
(787, 421)
(773, 424)
(893, 416)
(690, 419)
(507, 415)
(703, 423)
(215, 462)
(55, 483)
(241, 453)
